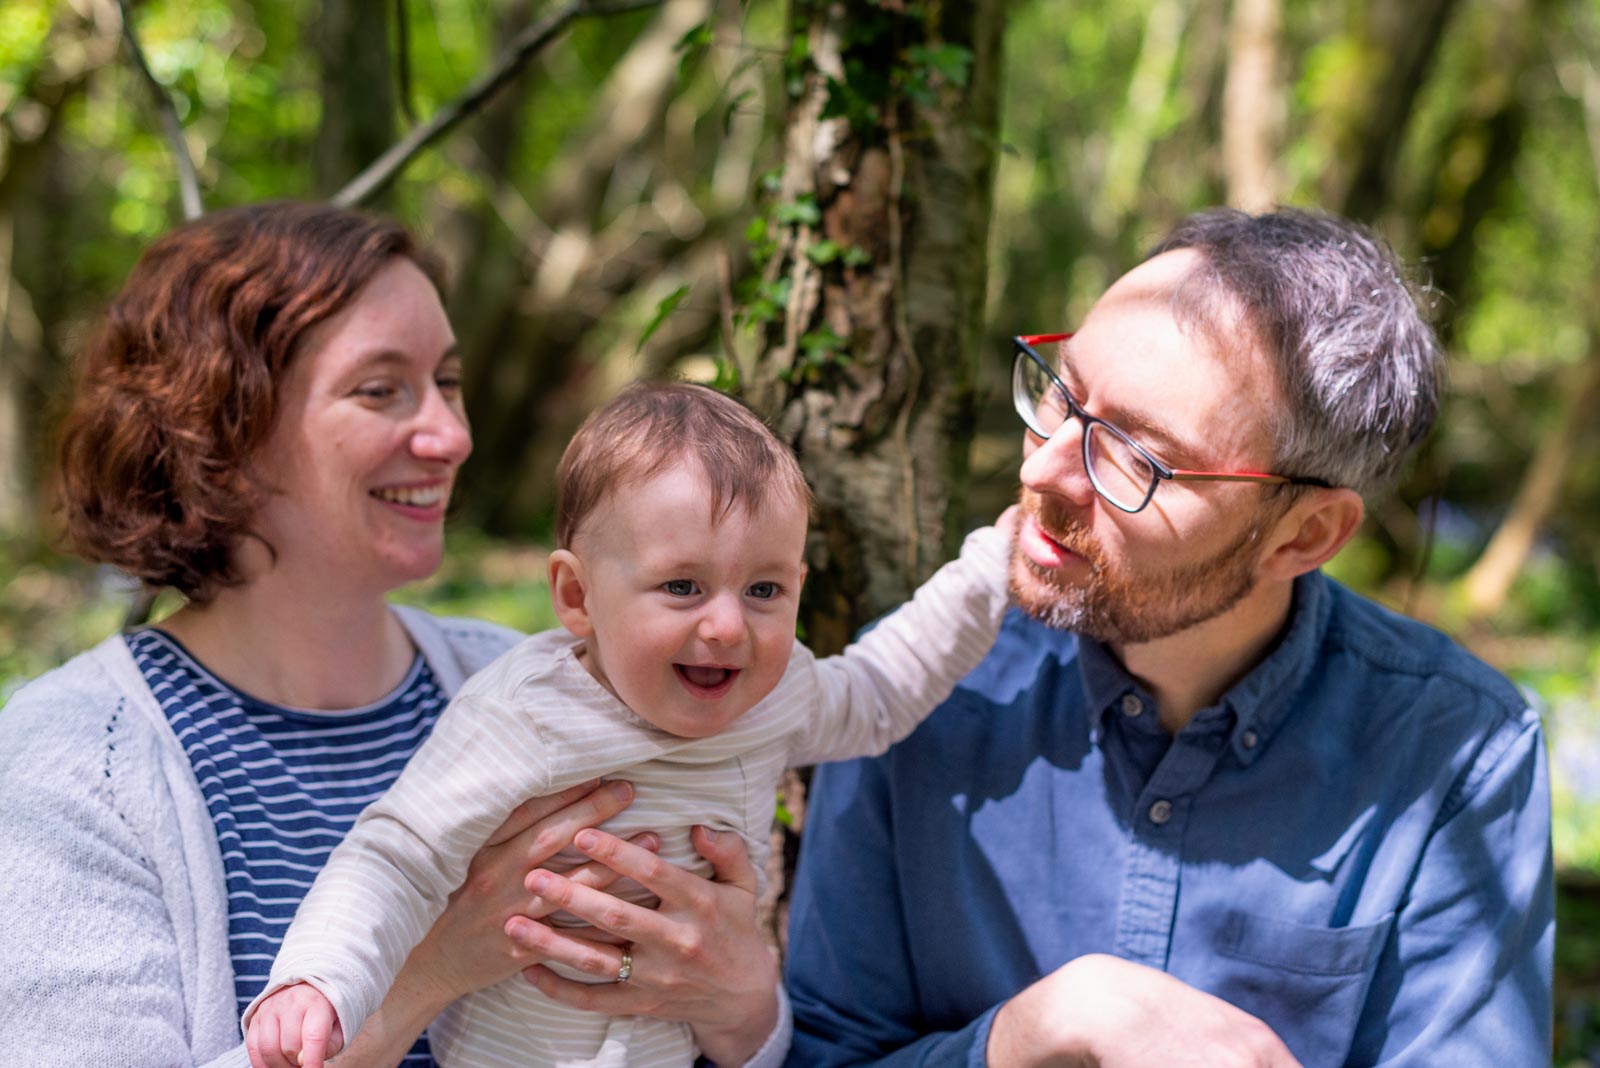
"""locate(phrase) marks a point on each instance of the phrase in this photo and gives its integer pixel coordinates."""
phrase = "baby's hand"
(1007, 523)
(295, 1026)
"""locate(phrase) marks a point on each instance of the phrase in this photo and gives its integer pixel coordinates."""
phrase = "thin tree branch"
(402, 55)
(188, 181)
(388, 166)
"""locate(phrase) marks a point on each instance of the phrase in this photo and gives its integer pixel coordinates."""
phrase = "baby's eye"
(679, 587)
(764, 591)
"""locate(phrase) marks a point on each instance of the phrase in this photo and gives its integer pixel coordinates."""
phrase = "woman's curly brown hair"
(179, 385)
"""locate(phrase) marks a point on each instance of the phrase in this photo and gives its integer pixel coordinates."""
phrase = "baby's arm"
(890, 679)
(392, 875)
(294, 1026)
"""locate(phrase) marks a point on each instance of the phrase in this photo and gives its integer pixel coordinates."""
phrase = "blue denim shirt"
(1353, 845)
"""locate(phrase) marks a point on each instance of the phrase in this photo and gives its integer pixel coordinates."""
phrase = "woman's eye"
(764, 591)
(448, 379)
(375, 391)
(679, 587)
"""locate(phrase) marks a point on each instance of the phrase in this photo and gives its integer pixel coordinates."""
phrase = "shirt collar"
(1259, 702)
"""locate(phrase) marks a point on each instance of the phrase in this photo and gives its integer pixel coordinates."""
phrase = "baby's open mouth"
(707, 681)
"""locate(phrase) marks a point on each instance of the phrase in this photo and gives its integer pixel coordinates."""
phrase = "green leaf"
(823, 252)
(802, 212)
(950, 62)
(856, 256)
(668, 304)
(727, 378)
(733, 108)
(697, 37)
(821, 345)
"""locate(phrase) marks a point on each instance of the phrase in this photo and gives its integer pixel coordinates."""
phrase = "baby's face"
(693, 620)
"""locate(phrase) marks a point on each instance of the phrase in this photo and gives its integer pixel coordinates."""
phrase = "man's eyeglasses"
(1121, 470)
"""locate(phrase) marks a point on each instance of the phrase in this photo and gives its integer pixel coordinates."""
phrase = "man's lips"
(1040, 548)
(706, 681)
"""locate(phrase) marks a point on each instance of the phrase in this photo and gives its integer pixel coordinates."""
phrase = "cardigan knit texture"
(115, 934)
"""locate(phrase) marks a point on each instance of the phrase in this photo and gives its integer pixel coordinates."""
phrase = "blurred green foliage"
(1112, 129)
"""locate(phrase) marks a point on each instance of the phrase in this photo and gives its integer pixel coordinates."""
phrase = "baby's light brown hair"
(649, 427)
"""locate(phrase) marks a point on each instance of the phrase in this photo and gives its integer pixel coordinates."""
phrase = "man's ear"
(1311, 532)
(569, 592)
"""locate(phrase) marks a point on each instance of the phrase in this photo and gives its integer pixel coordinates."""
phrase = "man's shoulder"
(1030, 676)
(1026, 654)
(1385, 642)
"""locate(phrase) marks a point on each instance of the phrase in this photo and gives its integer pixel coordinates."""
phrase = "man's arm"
(851, 978)
(1466, 976)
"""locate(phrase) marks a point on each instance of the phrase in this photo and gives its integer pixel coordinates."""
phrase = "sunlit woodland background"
(843, 212)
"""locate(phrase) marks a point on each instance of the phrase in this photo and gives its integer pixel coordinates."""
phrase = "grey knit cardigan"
(113, 907)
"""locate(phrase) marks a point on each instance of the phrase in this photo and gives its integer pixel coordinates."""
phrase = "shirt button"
(1249, 739)
(1161, 812)
(1131, 705)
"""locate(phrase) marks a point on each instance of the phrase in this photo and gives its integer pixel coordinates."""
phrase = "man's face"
(1191, 554)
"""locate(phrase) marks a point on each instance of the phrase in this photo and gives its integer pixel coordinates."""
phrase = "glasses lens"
(1036, 397)
(1118, 470)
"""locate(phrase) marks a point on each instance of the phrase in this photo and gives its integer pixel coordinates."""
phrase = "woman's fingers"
(612, 999)
(467, 947)
(625, 921)
(667, 882)
(601, 960)
(571, 810)
(730, 860)
(594, 875)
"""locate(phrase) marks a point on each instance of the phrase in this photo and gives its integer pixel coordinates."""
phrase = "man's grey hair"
(1358, 363)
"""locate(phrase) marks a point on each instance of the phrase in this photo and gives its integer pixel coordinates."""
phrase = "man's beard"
(1117, 604)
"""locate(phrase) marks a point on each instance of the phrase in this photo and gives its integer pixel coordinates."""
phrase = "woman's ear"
(569, 592)
(1312, 531)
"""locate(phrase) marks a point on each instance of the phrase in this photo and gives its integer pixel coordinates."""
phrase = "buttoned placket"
(1158, 825)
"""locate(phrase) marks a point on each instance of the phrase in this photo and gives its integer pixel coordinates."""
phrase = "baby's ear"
(569, 592)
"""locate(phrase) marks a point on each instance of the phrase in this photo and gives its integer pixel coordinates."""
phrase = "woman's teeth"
(414, 497)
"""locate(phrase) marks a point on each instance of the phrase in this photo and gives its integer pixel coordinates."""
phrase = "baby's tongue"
(705, 676)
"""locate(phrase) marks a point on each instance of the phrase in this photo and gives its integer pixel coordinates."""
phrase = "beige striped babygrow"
(534, 722)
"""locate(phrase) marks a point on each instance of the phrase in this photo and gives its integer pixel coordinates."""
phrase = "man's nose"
(1055, 466)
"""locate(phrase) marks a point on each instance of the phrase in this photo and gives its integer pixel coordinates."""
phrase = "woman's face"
(369, 435)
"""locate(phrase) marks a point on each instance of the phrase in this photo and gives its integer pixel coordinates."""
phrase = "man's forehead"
(1163, 347)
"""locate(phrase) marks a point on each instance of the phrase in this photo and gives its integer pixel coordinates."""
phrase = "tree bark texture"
(1411, 34)
(1253, 105)
(351, 41)
(1487, 584)
(882, 222)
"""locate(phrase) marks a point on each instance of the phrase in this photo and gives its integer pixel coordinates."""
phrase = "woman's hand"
(467, 948)
(698, 957)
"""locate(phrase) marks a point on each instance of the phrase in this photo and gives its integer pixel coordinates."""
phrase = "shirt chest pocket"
(1308, 983)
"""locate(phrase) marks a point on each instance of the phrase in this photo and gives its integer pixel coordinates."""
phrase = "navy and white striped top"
(283, 786)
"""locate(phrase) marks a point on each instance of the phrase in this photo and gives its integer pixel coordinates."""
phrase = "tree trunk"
(1253, 106)
(883, 218)
(351, 41)
(1488, 582)
(1411, 35)
(20, 341)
